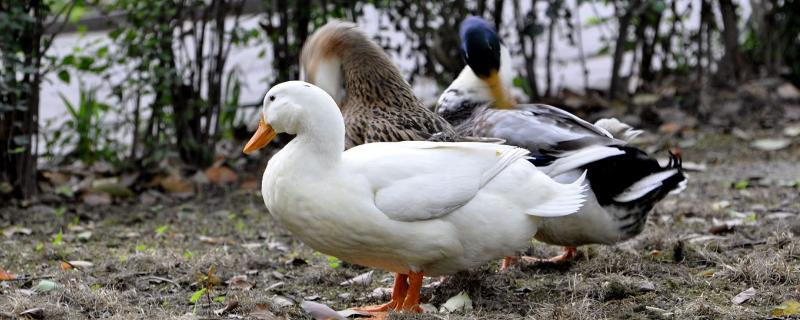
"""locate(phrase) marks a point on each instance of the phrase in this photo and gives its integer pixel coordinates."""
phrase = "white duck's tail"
(569, 198)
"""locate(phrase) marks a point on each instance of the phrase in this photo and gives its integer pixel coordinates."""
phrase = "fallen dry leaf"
(232, 304)
(56, 178)
(221, 175)
(252, 245)
(35, 313)
(111, 186)
(261, 312)
(10, 231)
(363, 279)
(460, 302)
(320, 311)
(176, 184)
(7, 276)
(210, 279)
(744, 296)
(249, 183)
(96, 198)
(210, 240)
(239, 282)
(721, 229)
(281, 301)
(75, 264)
(669, 128)
(771, 144)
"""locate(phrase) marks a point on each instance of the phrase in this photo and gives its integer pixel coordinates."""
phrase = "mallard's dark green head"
(480, 46)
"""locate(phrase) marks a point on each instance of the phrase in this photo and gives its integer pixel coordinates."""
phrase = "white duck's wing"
(419, 180)
(542, 129)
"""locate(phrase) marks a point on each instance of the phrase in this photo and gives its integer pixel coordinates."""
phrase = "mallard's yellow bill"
(261, 138)
(501, 97)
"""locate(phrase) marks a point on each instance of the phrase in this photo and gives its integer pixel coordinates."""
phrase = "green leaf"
(39, 247)
(45, 285)
(68, 60)
(140, 248)
(787, 308)
(197, 295)
(82, 29)
(21, 140)
(594, 21)
(59, 239)
(160, 230)
(77, 13)
(220, 299)
(741, 185)
(188, 254)
(64, 76)
(64, 190)
(85, 63)
(59, 212)
(334, 262)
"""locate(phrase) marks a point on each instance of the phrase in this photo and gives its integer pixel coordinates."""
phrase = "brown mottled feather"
(378, 105)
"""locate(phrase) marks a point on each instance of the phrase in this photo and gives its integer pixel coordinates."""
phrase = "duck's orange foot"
(569, 254)
(508, 262)
(391, 305)
(399, 292)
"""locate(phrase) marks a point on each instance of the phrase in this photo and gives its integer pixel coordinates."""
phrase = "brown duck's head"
(339, 56)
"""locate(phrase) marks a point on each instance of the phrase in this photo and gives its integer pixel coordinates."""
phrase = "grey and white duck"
(625, 182)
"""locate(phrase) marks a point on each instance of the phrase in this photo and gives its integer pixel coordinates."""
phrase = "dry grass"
(670, 271)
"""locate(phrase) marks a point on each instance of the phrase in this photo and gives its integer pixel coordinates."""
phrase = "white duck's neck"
(321, 138)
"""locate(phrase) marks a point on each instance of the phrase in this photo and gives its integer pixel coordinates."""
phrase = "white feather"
(570, 199)
(576, 159)
(644, 186)
(618, 129)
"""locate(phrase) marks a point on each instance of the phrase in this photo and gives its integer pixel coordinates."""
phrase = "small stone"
(647, 286)
(281, 301)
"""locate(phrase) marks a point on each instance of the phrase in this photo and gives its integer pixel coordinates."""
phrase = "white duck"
(413, 208)
(625, 182)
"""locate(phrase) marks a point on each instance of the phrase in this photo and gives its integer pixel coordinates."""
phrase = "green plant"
(85, 129)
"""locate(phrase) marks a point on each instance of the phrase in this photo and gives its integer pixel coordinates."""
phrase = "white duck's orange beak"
(264, 134)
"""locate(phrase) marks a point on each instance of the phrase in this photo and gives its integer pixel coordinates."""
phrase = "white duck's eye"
(271, 98)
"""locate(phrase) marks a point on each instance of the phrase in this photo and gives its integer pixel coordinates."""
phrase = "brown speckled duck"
(377, 103)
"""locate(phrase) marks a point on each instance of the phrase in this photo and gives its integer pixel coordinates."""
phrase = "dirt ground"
(147, 259)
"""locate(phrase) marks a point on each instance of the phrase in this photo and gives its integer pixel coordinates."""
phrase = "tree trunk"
(525, 23)
(497, 14)
(649, 45)
(619, 48)
(549, 57)
(18, 126)
(730, 68)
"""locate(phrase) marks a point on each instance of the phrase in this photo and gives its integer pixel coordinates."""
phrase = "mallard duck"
(377, 103)
(413, 208)
(625, 182)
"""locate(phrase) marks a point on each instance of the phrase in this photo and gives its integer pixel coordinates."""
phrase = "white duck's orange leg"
(569, 254)
(508, 262)
(399, 291)
(411, 303)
